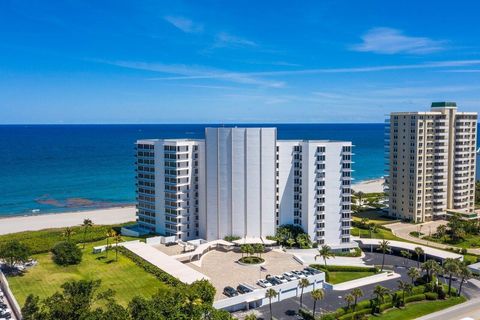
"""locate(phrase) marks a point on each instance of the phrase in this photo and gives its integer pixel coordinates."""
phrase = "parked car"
(274, 281)
(243, 289)
(312, 270)
(282, 279)
(299, 274)
(290, 276)
(264, 283)
(230, 292)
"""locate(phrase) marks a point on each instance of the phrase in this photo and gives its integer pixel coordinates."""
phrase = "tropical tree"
(13, 252)
(356, 293)
(364, 221)
(419, 252)
(251, 316)
(384, 246)
(290, 242)
(349, 300)
(380, 292)
(431, 267)
(244, 249)
(259, 249)
(87, 223)
(406, 255)
(303, 240)
(464, 273)
(442, 232)
(110, 234)
(68, 233)
(117, 238)
(372, 228)
(413, 273)
(303, 283)
(406, 288)
(317, 294)
(270, 294)
(360, 195)
(325, 252)
(451, 267)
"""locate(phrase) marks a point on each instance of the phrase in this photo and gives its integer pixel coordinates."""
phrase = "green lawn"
(123, 276)
(336, 277)
(374, 216)
(415, 310)
(469, 241)
(378, 234)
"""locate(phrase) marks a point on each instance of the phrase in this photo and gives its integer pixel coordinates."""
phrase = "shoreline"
(369, 186)
(105, 216)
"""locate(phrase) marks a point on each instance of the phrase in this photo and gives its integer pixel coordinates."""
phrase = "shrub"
(44, 240)
(305, 314)
(231, 238)
(66, 253)
(356, 314)
(431, 296)
(345, 268)
(328, 316)
(464, 251)
(251, 260)
(150, 268)
(417, 297)
(356, 253)
(385, 306)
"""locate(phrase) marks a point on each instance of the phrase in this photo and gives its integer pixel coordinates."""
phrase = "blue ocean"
(57, 168)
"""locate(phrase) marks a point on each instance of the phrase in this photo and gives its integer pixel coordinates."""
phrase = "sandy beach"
(369, 186)
(60, 220)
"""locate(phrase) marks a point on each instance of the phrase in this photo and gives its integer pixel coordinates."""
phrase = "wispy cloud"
(391, 41)
(184, 24)
(184, 72)
(463, 70)
(224, 39)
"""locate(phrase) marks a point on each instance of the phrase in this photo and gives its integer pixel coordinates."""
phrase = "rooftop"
(444, 104)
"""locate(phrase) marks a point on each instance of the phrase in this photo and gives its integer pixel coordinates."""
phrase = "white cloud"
(391, 41)
(184, 24)
(224, 39)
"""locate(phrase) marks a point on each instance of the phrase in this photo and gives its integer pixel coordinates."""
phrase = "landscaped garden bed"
(251, 260)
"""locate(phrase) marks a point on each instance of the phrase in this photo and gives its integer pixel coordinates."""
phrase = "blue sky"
(118, 61)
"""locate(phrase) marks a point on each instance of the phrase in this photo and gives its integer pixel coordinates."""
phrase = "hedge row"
(43, 241)
(356, 314)
(345, 268)
(150, 268)
(415, 298)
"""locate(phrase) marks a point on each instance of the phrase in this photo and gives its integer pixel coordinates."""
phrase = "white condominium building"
(431, 159)
(244, 182)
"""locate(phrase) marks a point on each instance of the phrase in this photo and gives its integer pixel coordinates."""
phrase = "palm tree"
(384, 246)
(406, 255)
(117, 238)
(380, 293)
(110, 234)
(413, 273)
(325, 252)
(359, 195)
(431, 267)
(349, 299)
(87, 223)
(356, 293)
(290, 242)
(317, 294)
(405, 287)
(191, 302)
(259, 249)
(364, 221)
(270, 294)
(243, 249)
(251, 316)
(372, 228)
(442, 232)
(68, 233)
(451, 267)
(419, 251)
(464, 273)
(303, 283)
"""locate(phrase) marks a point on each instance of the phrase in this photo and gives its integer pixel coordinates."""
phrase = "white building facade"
(244, 182)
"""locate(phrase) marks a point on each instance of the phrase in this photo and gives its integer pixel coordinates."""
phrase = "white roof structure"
(248, 240)
(165, 262)
(411, 246)
(475, 268)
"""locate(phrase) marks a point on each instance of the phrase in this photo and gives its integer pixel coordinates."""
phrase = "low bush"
(231, 238)
(251, 260)
(414, 298)
(356, 315)
(150, 268)
(345, 268)
(44, 240)
(355, 253)
(66, 253)
(431, 296)
(305, 314)
(385, 306)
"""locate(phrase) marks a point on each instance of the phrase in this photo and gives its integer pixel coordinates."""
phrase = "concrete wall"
(16, 310)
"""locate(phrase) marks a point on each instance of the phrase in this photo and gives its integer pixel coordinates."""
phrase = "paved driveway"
(287, 309)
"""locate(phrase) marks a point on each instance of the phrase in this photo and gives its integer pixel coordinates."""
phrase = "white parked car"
(282, 279)
(264, 283)
(299, 274)
(290, 276)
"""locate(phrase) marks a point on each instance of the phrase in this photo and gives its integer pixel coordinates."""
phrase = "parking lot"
(223, 270)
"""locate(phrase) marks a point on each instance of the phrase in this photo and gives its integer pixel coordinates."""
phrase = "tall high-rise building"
(244, 182)
(431, 158)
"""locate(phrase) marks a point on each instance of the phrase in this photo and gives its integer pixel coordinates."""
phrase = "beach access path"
(68, 219)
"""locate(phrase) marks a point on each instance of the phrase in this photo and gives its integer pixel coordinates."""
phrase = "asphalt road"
(287, 309)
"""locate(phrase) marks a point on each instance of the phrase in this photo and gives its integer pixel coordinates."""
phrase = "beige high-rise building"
(431, 158)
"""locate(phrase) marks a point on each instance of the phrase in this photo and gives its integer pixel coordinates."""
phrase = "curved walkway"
(402, 230)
